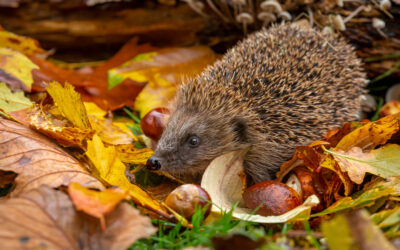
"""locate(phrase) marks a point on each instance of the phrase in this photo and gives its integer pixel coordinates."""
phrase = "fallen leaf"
(110, 133)
(70, 104)
(57, 127)
(23, 44)
(132, 155)
(6, 178)
(365, 199)
(329, 163)
(371, 134)
(12, 101)
(44, 218)
(112, 170)
(38, 161)
(390, 108)
(383, 162)
(222, 182)
(164, 70)
(354, 230)
(16, 69)
(94, 110)
(96, 203)
(93, 85)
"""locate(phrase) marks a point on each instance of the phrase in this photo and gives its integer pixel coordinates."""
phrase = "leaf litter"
(82, 170)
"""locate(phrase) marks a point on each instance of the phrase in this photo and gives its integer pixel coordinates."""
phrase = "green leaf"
(10, 101)
(365, 199)
(383, 162)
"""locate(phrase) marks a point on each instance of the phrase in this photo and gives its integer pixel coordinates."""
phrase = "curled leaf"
(223, 183)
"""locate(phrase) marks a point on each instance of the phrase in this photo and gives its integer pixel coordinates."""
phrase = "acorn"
(186, 198)
(271, 197)
(153, 123)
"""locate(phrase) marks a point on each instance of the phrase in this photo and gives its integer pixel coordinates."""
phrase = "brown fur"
(277, 89)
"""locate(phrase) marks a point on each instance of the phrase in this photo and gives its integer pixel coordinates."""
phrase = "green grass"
(174, 236)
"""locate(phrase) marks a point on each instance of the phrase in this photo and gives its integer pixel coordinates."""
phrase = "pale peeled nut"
(185, 198)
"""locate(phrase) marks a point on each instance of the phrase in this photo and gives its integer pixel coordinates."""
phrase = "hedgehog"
(279, 88)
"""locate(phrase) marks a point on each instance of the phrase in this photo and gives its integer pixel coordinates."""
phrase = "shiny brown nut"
(273, 198)
(185, 198)
(153, 123)
(305, 178)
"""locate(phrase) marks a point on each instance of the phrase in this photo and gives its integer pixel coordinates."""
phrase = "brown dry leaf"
(38, 161)
(372, 134)
(44, 218)
(96, 203)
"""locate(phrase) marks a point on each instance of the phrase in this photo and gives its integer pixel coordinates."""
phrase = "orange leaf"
(96, 203)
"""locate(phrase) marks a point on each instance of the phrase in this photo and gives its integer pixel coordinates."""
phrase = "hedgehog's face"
(191, 141)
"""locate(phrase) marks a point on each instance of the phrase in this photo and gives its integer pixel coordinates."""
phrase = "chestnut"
(271, 197)
(185, 198)
(153, 123)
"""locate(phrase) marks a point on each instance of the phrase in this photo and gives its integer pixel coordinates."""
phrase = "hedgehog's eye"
(193, 141)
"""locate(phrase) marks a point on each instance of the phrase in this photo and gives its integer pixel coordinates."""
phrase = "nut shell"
(274, 197)
(185, 198)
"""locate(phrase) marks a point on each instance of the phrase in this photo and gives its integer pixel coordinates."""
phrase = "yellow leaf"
(12, 101)
(130, 154)
(94, 110)
(109, 133)
(112, 170)
(57, 127)
(383, 162)
(69, 103)
(96, 203)
(371, 134)
(164, 70)
(25, 45)
(16, 69)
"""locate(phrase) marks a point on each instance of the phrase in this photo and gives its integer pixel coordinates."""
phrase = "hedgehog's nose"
(153, 163)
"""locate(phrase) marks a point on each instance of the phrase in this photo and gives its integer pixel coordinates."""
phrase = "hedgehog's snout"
(153, 163)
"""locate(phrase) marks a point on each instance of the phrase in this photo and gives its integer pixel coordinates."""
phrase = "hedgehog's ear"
(240, 129)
